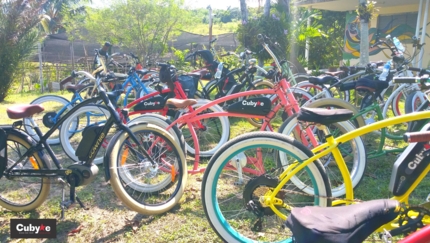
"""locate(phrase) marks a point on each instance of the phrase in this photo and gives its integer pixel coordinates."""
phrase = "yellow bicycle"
(244, 208)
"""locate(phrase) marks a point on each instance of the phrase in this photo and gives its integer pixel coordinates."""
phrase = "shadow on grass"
(63, 230)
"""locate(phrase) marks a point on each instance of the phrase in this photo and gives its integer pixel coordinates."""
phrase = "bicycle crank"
(256, 188)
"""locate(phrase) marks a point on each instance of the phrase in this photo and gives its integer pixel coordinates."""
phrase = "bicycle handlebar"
(212, 41)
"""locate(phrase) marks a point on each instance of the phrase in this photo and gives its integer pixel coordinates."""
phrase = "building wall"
(399, 28)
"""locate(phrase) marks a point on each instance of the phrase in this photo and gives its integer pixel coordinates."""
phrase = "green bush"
(18, 37)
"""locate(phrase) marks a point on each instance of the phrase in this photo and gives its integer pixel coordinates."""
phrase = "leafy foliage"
(145, 25)
(366, 11)
(275, 27)
(18, 36)
(326, 49)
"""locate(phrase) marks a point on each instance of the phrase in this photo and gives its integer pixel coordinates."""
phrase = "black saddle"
(323, 80)
(324, 116)
(344, 224)
(371, 85)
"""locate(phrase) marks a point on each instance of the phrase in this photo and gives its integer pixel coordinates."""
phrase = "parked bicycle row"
(317, 157)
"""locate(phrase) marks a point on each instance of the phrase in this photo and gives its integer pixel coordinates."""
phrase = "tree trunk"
(296, 67)
(267, 8)
(364, 39)
(243, 11)
(285, 6)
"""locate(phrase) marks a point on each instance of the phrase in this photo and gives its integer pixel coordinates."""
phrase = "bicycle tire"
(162, 122)
(358, 154)
(256, 122)
(19, 138)
(224, 135)
(69, 147)
(49, 111)
(306, 85)
(87, 92)
(341, 104)
(154, 191)
(212, 204)
(415, 126)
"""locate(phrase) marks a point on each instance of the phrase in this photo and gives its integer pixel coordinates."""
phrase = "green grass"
(108, 220)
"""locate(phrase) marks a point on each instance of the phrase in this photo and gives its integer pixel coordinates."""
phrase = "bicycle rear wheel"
(233, 182)
(140, 186)
(353, 151)
(22, 193)
(215, 131)
(84, 116)
(55, 107)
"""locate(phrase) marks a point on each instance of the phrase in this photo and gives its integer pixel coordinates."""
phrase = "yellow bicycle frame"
(331, 146)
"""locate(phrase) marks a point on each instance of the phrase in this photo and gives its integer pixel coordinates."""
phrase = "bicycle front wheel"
(22, 193)
(246, 168)
(140, 185)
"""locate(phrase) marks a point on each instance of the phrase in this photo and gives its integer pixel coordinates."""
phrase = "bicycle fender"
(4, 131)
(3, 151)
(109, 148)
(106, 158)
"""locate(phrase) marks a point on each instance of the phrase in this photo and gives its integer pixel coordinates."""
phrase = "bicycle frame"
(331, 146)
(43, 144)
(281, 91)
(134, 81)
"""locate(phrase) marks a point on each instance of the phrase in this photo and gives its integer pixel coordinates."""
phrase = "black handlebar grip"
(416, 137)
(415, 69)
(360, 68)
(405, 80)
(212, 41)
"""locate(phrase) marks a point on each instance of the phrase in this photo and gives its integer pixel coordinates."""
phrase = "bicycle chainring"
(47, 119)
(254, 189)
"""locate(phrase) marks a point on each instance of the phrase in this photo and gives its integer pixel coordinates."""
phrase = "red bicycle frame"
(282, 92)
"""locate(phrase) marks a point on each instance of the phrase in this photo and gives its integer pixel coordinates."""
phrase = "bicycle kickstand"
(67, 204)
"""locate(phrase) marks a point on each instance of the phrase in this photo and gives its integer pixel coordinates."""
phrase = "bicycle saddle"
(323, 116)
(322, 80)
(74, 88)
(177, 103)
(344, 224)
(22, 111)
(336, 73)
(371, 85)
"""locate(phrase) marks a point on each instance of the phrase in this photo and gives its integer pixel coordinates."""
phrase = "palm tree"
(54, 9)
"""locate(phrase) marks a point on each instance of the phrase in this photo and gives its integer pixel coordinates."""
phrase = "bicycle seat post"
(323, 128)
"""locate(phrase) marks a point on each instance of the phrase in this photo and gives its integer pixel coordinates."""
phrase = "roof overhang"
(385, 6)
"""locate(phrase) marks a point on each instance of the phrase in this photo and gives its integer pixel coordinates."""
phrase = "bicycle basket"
(3, 151)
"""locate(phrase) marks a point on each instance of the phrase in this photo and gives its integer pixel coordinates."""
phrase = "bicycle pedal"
(67, 204)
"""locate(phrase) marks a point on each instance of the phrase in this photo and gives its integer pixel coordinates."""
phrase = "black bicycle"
(144, 164)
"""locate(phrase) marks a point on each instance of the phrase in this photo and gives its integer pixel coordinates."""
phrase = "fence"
(60, 56)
